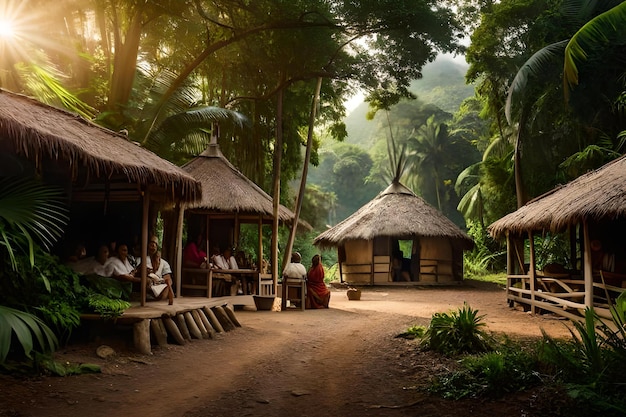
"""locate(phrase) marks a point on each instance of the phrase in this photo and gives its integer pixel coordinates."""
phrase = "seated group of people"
(194, 256)
(126, 267)
(318, 295)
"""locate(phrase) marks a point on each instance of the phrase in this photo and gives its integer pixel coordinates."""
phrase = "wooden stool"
(299, 285)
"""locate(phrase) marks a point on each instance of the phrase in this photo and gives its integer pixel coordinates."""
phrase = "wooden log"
(159, 332)
(173, 330)
(221, 315)
(196, 317)
(231, 314)
(182, 326)
(213, 319)
(207, 325)
(141, 336)
(194, 331)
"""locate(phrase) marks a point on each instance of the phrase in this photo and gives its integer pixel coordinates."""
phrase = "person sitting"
(227, 261)
(295, 269)
(159, 273)
(193, 255)
(318, 295)
(119, 267)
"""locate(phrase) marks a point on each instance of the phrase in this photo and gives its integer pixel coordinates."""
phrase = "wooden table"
(209, 275)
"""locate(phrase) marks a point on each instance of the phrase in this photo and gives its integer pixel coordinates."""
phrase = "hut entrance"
(405, 260)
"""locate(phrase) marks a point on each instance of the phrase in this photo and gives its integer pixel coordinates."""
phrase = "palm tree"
(30, 213)
(429, 153)
(599, 27)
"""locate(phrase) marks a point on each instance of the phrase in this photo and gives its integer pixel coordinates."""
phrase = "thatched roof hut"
(397, 214)
(111, 184)
(596, 195)
(229, 199)
(226, 190)
(590, 212)
(39, 132)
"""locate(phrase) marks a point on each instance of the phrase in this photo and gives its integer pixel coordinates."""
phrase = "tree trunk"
(305, 170)
(520, 192)
(278, 150)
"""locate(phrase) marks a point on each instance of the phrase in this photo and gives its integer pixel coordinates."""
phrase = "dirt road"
(343, 361)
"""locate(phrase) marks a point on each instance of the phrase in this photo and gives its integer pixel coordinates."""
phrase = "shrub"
(457, 332)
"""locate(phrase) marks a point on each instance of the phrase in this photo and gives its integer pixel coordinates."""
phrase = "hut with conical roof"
(589, 215)
(229, 200)
(397, 238)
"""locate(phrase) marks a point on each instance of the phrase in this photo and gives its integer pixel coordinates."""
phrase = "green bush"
(457, 332)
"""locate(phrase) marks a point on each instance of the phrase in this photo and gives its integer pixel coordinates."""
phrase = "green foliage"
(457, 332)
(486, 257)
(508, 369)
(24, 326)
(413, 332)
(107, 307)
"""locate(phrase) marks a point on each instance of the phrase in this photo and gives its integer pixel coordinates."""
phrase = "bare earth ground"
(344, 361)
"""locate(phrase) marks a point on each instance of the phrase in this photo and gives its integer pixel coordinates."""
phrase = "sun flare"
(6, 29)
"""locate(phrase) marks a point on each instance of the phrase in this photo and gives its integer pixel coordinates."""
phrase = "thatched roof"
(395, 212)
(225, 189)
(596, 195)
(36, 131)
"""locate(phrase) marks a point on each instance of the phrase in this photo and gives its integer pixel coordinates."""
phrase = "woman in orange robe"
(318, 295)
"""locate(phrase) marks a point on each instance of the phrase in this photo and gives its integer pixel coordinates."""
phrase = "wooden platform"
(187, 318)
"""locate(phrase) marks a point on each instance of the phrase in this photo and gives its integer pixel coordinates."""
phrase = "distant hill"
(442, 84)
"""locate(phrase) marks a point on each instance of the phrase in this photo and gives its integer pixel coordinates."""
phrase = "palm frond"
(600, 32)
(535, 66)
(33, 208)
(24, 326)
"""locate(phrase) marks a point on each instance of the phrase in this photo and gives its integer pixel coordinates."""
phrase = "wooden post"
(182, 326)
(144, 244)
(200, 323)
(141, 336)
(223, 318)
(194, 330)
(531, 272)
(179, 249)
(215, 323)
(587, 266)
(159, 332)
(173, 330)
(231, 315)
(207, 325)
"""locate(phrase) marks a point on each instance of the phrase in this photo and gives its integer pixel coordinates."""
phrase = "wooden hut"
(229, 200)
(589, 213)
(397, 238)
(111, 184)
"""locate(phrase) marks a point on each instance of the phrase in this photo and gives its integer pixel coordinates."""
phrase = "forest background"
(540, 102)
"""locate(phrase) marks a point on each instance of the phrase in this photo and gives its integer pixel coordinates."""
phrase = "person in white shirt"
(159, 273)
(295, 269)
(226, 260)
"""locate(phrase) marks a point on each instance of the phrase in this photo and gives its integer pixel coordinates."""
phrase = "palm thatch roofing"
(36, 131)
(395, 212)
(596, 195)
(226, 190)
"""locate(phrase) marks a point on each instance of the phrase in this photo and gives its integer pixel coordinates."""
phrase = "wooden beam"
(587, 266)
(179, 248)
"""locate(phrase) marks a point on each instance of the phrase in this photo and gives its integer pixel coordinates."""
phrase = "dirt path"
(343, 361)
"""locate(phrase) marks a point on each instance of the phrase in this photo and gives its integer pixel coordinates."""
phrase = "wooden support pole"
(207, 325)
(231, 314)
(159, 332)
(587, 267)
(213, 319)
(200, 323)
(532, 271)
(141, 336)
(223, 318)
(182, 326)
(173, 330)
(194, 331)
